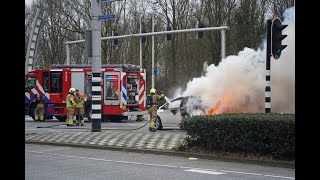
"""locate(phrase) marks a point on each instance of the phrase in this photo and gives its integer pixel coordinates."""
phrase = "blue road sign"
(105, 1)
(155, 71)
(108, 16)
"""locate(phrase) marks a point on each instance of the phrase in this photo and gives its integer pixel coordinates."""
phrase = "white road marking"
(204, 171)
(243, 173)
(31, 129)
(190, 169)
(159, 165)
(279, 176)
(54, 131)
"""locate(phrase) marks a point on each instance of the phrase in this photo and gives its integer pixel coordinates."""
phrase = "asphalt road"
(52, 162)
(56, 126)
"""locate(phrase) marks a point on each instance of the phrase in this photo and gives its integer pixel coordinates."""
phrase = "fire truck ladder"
(33, 39)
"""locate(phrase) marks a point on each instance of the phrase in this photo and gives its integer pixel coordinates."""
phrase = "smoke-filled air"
(237, 84)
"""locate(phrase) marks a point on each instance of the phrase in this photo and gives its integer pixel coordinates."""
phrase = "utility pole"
(153, 72)
(152, 86)
(140, 43)
(223, 43)
(96, 65)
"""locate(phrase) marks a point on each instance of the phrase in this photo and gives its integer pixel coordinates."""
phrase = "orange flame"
(220, 106)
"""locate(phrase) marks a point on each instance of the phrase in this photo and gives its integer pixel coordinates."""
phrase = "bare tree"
(279, 6)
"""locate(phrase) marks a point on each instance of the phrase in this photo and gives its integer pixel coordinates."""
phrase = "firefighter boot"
(77, 120)
(41, 118)
(151, 127)
(70, 122)
(36, 117)
(82, 122)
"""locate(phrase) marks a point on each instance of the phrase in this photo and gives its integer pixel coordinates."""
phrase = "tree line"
(178, 60)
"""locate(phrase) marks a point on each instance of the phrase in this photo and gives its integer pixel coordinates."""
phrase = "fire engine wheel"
(115, 118)
(89, 113)
(61, 118)
(158, 124)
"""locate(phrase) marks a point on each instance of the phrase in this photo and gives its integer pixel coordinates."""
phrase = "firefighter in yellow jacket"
(70, 106)
(40, 109)
(154, 108)
(80, 99)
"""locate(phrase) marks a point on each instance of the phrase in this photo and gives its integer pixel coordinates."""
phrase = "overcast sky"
(28, 2)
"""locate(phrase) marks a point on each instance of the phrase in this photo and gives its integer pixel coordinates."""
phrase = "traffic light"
(168, 36)
(115, 41)
(277, 37)
(200, 33)
(144, 38)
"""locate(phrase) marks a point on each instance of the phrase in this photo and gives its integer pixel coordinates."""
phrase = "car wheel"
(158, 124)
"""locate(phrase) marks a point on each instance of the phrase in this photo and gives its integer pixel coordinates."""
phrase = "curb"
(273, 163)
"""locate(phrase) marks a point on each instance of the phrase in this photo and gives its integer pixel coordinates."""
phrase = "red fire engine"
(123, 89)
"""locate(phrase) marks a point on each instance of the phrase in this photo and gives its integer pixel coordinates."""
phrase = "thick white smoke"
(237, 84)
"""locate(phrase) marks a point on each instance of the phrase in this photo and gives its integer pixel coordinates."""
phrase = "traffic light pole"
(96, 66)
(152, 74)
(268, 77)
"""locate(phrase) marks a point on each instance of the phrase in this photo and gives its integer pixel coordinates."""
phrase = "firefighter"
(115, 92)
(154, 108)
(70, 106)
(39, 110)
(79, 99)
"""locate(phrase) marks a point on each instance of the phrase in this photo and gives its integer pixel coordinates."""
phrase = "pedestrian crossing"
(130, 139)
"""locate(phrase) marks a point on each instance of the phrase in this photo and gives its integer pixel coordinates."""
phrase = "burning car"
(171, 113)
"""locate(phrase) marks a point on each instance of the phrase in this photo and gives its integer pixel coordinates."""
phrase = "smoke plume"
(237, 84)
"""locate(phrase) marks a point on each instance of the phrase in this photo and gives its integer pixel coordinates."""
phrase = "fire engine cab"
(123, 89)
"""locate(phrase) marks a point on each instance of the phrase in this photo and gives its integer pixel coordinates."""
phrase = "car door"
(170, 114)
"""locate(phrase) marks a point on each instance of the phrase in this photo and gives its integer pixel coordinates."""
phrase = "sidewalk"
(133, 141)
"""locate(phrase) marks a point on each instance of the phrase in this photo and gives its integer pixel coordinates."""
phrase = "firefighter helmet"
(153, 91)
(72, 90)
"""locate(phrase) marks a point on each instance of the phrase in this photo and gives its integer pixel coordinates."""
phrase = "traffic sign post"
(96, 61)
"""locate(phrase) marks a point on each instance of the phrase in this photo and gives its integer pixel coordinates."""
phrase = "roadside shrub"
(260, 133)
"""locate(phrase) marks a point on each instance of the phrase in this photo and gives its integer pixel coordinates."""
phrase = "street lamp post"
(152, 86)
(153, 10)
(140, 43)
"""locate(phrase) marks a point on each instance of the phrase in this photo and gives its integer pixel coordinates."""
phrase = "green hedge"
(260, 133)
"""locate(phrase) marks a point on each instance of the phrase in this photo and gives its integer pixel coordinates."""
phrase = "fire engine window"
(30, 83)
(45, 81)
(111, 86)
(89, 88)
(56, 82)
(132, 83)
